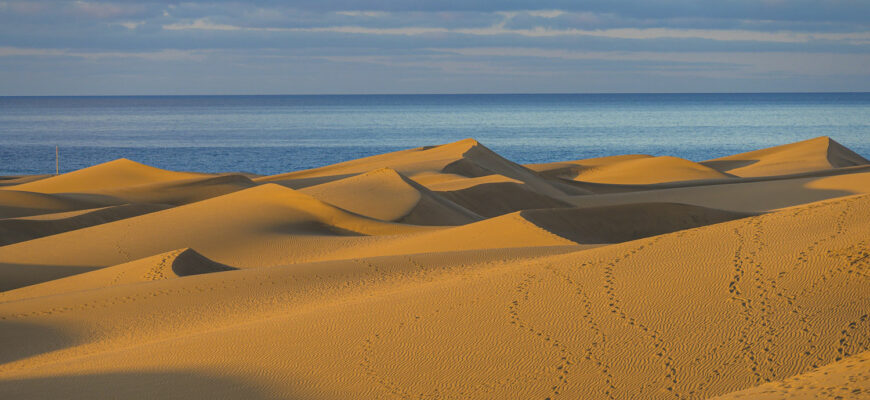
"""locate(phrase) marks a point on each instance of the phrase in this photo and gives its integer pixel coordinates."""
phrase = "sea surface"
(272, 134)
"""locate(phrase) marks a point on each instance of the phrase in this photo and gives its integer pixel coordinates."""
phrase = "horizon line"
(429, 94)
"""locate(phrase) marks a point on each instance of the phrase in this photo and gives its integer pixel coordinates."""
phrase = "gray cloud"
(405, 46)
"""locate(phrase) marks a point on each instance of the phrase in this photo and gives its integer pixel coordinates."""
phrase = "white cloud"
(160, 55)
(202, 24)
(545, 13)
(501, 28)
(131, 25)
(370, 14)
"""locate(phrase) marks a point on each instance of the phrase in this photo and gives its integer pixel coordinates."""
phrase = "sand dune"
(742, 196)
(386, 195)
(467, 158)
(182, 191)
(443, 272)
(650, 170)
(17, 180)
(570, 169)
(494, 199)
(172, 264)
(639, 319)
(264, 225)
(14, 230)
(631, 170)
(809, 155)
(845, 379)
(14, 203)
(111, 175)
(621, 223)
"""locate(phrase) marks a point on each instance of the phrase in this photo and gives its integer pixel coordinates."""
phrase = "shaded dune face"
(622, 223)
(443, 271)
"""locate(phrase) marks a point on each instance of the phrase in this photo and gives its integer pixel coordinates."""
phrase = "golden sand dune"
(466, 158)
(621, 223)
(14, 203)
(14, 230)
(665, 281)
(494, 199)
(746, 196)
(110, 175)
(810, 155)
(182, 191)
(570, 169)
(640, 171)
(749, 301)
(845, 379)
(17, 180)
(172, 264)
(387, 195)
(264, 225)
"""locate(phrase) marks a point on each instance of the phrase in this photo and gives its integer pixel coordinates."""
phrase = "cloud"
(500, 28)
(344, 43)
(546, 13)
(371, 14)
(203, 24)
(161, 55)
(131, 25)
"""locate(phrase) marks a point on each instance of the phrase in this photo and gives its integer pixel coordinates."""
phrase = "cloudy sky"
(448, 46)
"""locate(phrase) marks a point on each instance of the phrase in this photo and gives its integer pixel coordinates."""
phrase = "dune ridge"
(110, 175)
(809, 155)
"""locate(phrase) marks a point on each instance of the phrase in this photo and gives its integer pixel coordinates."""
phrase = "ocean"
(272, 134)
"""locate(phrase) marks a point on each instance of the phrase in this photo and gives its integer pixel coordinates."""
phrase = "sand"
(443, 272)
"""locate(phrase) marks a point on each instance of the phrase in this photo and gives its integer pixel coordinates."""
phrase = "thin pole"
(56, 161)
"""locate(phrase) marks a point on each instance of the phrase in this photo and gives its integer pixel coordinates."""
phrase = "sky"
(448, 46)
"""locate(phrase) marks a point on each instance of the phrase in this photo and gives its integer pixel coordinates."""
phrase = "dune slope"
(648, 170)
(745, 277)
(386, 195)
(14, 203)
(621, 223)
(466, 158)
(263, 225)
(809, 155)
(14, 230)
(172, 264)
(845, 379)
(111, 175)
(749, 301)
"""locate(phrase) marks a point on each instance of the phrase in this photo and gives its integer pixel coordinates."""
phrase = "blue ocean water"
(272, 134)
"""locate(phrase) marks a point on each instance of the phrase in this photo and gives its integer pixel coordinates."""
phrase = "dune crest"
(110, 175)
(815, 154)
(466, 158)
(648, 170)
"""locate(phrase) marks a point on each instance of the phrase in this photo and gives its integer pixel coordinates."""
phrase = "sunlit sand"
(444, 271)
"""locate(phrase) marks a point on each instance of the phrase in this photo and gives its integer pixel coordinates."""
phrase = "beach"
(443, 271)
